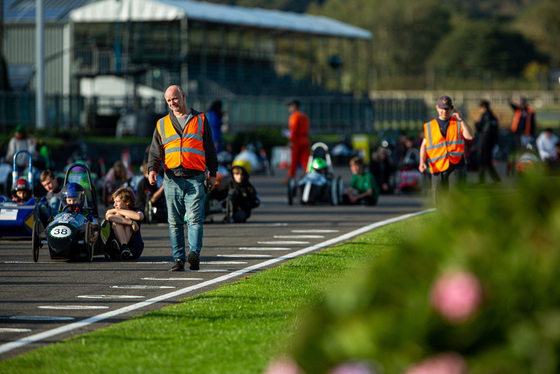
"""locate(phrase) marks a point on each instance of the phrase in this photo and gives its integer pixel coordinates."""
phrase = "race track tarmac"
(48, 301)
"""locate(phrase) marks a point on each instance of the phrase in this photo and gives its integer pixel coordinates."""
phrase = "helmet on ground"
(21, 185)
(74, 191)
(319, 164)
(245, 164)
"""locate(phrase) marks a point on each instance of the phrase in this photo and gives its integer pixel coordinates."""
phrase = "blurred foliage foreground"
(474, 290)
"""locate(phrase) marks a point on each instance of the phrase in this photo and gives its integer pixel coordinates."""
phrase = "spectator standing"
(546, 145)
(442, 150)
(299, 138)
(488, 129)
(383, 170)
(118, 174)
(524, 123)
(22, 140)
(116, 177)
(215, 116)
(183, 141)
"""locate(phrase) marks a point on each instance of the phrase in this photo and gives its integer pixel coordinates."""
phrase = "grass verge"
(237, 328)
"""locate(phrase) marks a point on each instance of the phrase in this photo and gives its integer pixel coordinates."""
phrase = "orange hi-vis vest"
(517, 117)
(442, 151)
(186, 149)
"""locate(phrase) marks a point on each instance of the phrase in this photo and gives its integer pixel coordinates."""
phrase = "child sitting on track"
(125, 241)
(363, 189)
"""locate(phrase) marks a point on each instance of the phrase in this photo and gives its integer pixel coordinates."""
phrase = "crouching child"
(242, 196)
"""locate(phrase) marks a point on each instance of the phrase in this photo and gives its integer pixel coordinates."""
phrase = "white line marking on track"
(111, 297)
(141, 287)
(110, 314)
(41, 318)
(208, 271)
(72, 307)
(283, 242)
(172, 279)
(222, 262)
(14, 330)
(298, 236)
(315, 231)
(248, 255)
(264, 249)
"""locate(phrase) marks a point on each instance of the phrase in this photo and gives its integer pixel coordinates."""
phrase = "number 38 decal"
(60, 231)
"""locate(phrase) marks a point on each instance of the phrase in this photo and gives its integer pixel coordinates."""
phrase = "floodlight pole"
(39, 66)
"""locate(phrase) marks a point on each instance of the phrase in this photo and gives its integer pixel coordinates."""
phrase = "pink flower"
(456, 296)
(283, 366)
(444, 363)
(352, 368)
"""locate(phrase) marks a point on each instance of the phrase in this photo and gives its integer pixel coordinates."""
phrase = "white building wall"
(19, 49)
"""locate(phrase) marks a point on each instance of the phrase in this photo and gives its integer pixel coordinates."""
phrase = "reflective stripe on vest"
(517, 117)
(186, 149)
(440, 151)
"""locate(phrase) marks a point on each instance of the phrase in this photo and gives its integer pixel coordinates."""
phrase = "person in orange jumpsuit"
(299, 138)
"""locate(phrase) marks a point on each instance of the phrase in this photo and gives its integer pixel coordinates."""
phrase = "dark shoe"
(125, 253)
(113, 250)
(192, 258)
(116, 248)
(179, 265)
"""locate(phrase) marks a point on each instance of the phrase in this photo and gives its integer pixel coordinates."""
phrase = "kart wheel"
(333, 194)
(305, 194)
(291, 190)
(339, 189)
(88, 240)
(98, 245)
(36, 241)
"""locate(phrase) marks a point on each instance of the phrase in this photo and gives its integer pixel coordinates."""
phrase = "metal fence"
(328, 114)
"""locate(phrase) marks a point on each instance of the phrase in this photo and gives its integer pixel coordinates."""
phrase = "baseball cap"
(445, 102)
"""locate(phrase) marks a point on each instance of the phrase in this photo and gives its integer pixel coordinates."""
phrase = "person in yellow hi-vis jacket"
(183, 141)
(442, 150)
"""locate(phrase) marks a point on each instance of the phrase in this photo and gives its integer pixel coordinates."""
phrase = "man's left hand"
(211, 182)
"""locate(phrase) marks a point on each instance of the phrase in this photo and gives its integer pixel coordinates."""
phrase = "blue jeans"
(185, 196)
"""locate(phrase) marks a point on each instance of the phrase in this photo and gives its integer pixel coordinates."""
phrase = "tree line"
(460, 44)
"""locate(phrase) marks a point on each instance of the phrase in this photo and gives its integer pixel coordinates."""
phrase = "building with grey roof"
(134, 49)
